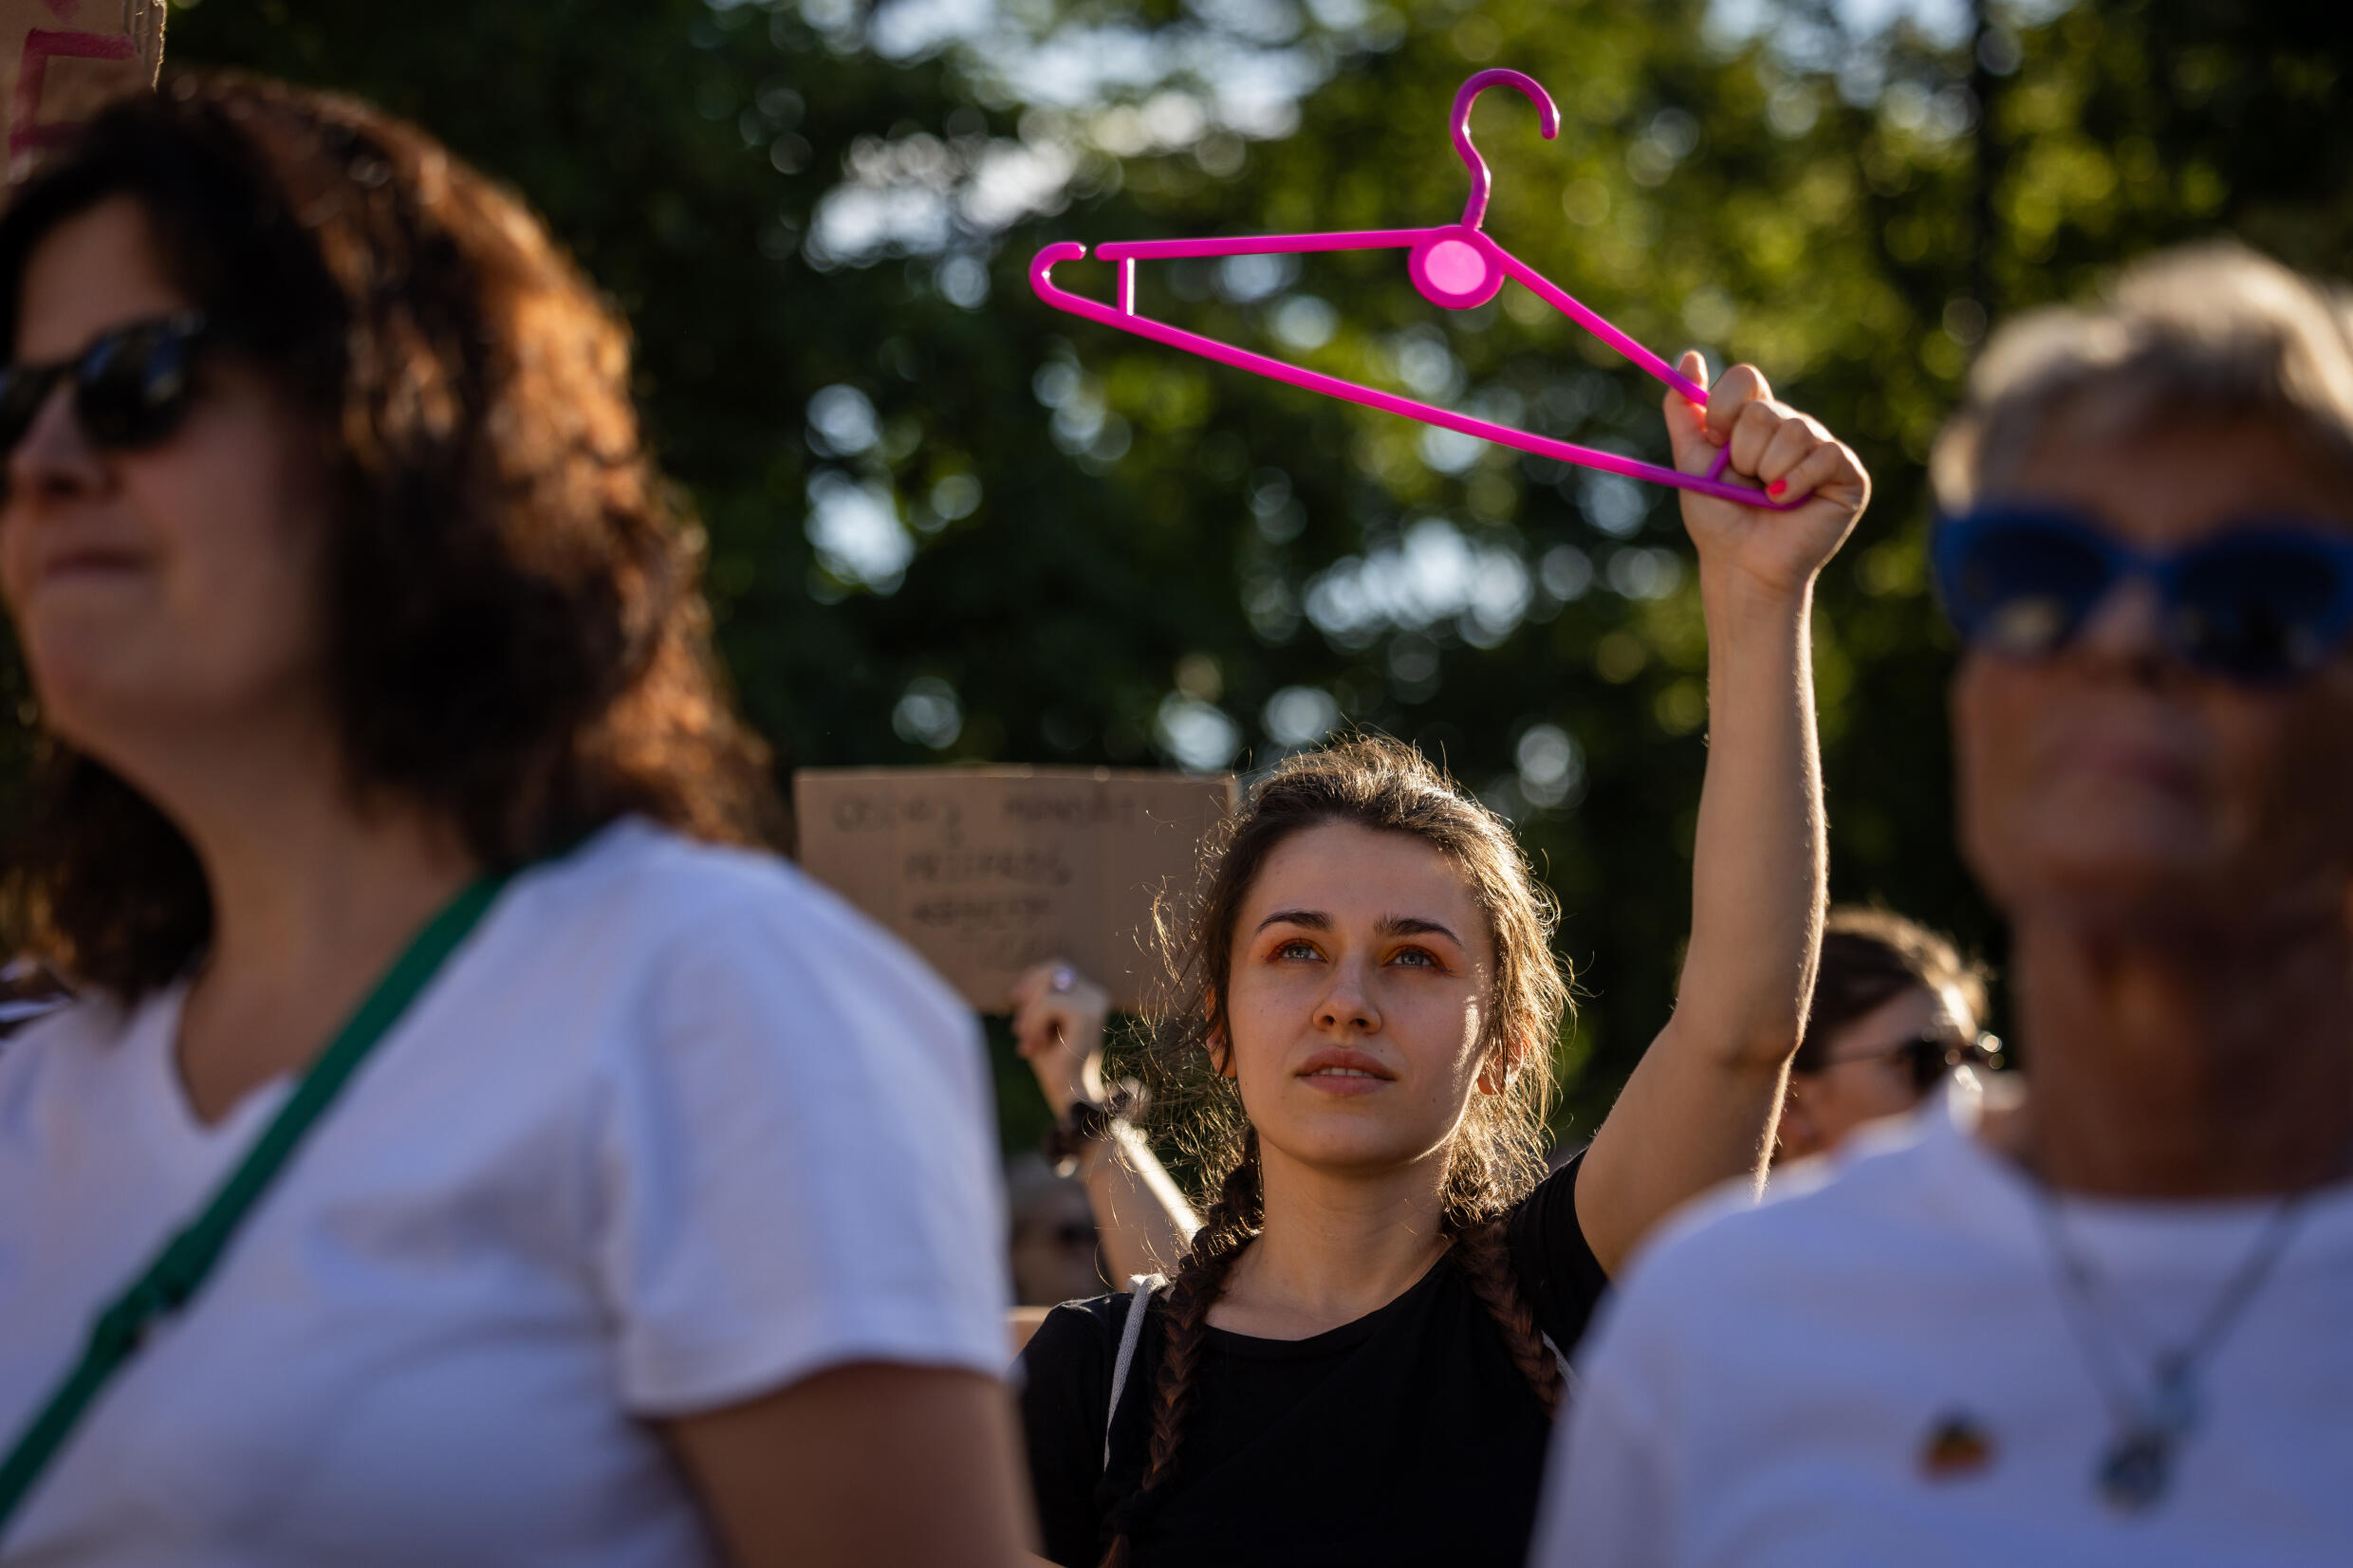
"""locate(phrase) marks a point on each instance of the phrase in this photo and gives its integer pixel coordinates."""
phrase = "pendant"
(1958, 1446)
(2137, 1469)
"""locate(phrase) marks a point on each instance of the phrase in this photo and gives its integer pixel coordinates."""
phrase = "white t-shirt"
(675, 1128)
(1764, 1387)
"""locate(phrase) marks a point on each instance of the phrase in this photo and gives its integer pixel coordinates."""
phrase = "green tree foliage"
(946, 522)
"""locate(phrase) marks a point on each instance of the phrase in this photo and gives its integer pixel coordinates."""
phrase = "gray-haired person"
(2106, 1324)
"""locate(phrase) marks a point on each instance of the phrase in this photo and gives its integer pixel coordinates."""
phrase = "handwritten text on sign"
(61, 60)
(986, 871)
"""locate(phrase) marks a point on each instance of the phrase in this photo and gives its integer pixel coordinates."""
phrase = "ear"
(1220, 1051)
(1501, 1066)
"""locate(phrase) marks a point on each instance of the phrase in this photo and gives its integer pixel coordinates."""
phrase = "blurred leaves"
(946, 522)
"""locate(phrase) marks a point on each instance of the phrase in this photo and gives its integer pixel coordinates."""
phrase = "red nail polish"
(1776, 487)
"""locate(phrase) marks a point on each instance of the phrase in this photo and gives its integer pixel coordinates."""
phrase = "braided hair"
(1497, 1153)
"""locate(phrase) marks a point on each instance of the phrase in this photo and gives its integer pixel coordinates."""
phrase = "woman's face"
(1863, 1075)
(2111, 789)
(170, 594)
(1358, 999)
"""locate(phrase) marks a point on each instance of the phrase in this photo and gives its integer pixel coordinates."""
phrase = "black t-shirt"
(1407, 1436)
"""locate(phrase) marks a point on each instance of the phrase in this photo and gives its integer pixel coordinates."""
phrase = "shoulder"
(1552, 1204)
(1077, 1335)
(1064, 1381)
(745, 1032)
(788, 1115)
(655, 883)
(1554, 1263)
(1063, 1374)
(701, 923)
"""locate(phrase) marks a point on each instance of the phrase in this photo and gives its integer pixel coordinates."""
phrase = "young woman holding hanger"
(1357, 1358)
(655, 1219)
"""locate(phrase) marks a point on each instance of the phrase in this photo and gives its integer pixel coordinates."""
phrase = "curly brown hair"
(1497, 1154)
(517, 638)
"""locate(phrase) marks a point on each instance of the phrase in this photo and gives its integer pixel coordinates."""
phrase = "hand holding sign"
(1058, 1027)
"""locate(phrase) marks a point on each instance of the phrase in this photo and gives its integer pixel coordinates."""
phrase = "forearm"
(1759, 858)
(1143, 1219)
(1699, 1107)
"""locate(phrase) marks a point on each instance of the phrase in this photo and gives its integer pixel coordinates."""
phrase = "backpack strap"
(1139, 1300)
(1568, 1373)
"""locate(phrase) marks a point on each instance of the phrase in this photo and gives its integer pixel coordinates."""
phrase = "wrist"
(1083, 1127)
(1735, 598)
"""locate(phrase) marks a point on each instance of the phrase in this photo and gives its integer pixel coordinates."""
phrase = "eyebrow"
(1389, 925)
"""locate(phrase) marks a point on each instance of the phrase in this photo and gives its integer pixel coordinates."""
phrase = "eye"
(1297, 948)
(1416, 958)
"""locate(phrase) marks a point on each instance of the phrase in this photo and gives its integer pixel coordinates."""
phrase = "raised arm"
(1144, 1219)
(1700, 1106)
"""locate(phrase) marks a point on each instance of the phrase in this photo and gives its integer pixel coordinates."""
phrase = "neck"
(1335, 1247)
(313, 890)
(2207, 1067)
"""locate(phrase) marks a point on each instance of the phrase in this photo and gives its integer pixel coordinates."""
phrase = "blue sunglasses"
(2260, 602)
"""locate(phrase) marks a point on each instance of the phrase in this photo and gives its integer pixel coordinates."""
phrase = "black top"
(1408, 1436)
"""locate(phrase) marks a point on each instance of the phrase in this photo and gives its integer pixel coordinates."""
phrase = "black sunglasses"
(131, 386)
(1928, 1057)
(2259, 602)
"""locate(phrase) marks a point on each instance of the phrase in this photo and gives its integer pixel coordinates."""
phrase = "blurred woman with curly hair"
(383, 753)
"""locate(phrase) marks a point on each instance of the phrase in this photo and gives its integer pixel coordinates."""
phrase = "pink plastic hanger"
(1455, 265)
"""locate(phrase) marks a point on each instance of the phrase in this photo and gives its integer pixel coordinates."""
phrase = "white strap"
(1139, 1297)
(1568, 1373)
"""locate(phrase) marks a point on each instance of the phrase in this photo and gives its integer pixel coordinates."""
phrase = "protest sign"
(60, 60)
(986, 872)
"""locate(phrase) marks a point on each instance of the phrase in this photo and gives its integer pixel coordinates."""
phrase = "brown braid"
(1228, 1227)
(1480, 1254)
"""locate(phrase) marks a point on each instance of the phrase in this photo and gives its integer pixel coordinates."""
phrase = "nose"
(55, 460)
(1346, 1006)
(2126, 630)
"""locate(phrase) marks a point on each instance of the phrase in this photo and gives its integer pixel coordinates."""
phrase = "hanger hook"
(1476, 214)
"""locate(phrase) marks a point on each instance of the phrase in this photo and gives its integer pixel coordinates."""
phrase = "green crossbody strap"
(165, 1284)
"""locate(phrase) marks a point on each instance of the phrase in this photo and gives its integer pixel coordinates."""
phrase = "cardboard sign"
(987, 872)
(61, 60)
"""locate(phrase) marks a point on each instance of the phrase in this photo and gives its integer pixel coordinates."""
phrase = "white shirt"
(675, 1128)
(1763, 1389)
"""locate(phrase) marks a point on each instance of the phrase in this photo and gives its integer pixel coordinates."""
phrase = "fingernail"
(1776, 487)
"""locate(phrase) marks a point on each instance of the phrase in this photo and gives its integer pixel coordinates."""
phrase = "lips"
(1337, 1066)
(88, 565)
(89, 561)
(2146, 750)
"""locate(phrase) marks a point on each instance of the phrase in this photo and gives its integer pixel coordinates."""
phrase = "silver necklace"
(2154, 1415)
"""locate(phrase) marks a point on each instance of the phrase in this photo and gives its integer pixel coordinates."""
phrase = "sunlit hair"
(1496, 1156)
(1871, 956)
(2211, 330)
(517, 638)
